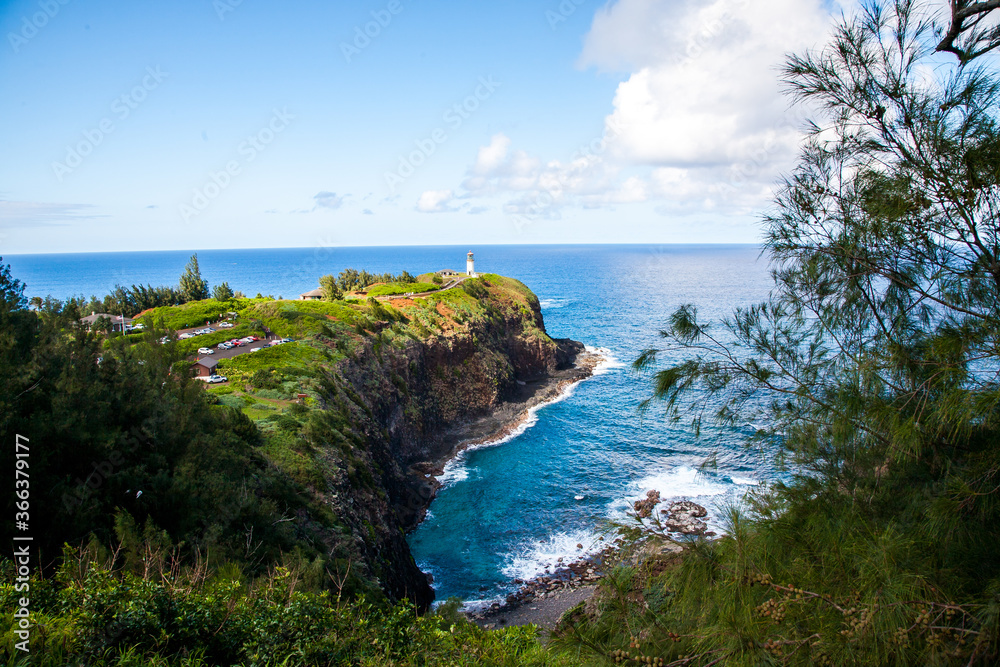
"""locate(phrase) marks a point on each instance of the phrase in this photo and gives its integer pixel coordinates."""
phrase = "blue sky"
(225, 124)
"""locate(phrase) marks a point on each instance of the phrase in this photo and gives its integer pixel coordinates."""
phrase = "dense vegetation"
(97, 611)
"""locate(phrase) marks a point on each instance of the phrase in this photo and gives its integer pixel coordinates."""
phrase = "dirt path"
(544, 612)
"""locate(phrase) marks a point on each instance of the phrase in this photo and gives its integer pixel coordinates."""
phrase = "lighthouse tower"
(470, 265)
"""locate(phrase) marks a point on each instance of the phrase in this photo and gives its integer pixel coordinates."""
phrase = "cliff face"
(408, 396)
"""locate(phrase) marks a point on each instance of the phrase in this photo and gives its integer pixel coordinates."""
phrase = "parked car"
(255, 349)
(205, 350)
(185, 336)
(224, 346)
(287, 340)
(226, 325)
(215, 379)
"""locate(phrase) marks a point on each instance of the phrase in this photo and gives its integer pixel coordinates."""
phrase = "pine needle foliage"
(874, 362)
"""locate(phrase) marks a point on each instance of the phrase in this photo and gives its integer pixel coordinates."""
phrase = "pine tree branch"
(961, 12)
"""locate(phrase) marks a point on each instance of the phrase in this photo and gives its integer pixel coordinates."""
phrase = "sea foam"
(535, 557)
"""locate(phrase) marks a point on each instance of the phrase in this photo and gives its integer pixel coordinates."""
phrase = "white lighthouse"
(470, 265)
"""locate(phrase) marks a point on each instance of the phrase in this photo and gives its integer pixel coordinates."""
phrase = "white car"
(255, 349)
(205, 350)
(226, 325)
(185, 336)
(215, 379)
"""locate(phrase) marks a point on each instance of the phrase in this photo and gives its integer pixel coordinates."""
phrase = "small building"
(312, 295)
(118, 322)
(205, 367)
(448, 273)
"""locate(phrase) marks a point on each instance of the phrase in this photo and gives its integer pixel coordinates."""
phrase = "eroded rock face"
(684, 517)
(397, 400)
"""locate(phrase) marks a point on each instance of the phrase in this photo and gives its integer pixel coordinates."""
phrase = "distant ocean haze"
(510, 510)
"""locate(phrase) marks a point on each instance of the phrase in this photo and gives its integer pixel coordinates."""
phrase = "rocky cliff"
(419, 377)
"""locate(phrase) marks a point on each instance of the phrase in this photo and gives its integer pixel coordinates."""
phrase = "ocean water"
(509, 510)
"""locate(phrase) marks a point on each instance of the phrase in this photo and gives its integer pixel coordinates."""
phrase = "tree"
(192, 286)
(11, 290)
(875, 362)
(331, 291)
(223, 292)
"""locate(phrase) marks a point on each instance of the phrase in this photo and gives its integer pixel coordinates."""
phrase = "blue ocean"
(511, 510)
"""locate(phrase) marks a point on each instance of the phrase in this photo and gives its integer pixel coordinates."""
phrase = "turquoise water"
(509, 510)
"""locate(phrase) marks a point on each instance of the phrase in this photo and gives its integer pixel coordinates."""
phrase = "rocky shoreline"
(578, 365)
(542, 601)
(584, 573)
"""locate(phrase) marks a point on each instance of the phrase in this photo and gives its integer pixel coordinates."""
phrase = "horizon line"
(313, 247)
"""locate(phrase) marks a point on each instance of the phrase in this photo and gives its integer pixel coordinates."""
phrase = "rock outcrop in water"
(685, 517)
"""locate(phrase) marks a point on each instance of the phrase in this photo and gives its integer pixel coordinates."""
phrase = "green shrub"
(95, 616)
(393, 289)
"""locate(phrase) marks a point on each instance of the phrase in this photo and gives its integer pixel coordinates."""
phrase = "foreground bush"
(91, 614)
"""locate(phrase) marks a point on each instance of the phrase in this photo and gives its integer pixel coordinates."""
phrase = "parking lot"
(219, 353)
(236, 351)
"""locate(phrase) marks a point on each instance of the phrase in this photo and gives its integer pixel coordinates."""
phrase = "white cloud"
(699, 125)
(492, 156)
(706, 91)
(27, 213)
(436, 201)
(329, 200)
